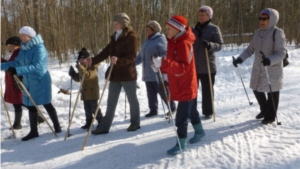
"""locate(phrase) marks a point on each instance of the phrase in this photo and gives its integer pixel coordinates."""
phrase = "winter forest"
(240, 127)
(68, 25)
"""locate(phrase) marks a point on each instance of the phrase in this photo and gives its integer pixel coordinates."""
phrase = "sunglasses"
(263, 18)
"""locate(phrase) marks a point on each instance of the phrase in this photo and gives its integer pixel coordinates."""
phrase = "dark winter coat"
(31, 63)
(12, 94)
(125, 49)
(180, 66)
(212, 34)
(90, 86)
(155, 45)
(274, 50)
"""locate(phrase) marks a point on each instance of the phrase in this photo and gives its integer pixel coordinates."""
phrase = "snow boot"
(150, 114)
(176, 149)
(260, 115)
(17, 123)
(87, 124)
(54, 119)
(199, 133)
(33, 127)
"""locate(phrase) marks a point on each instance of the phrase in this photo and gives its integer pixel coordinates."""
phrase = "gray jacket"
(156, 44)
(263, 41)
(212, 34)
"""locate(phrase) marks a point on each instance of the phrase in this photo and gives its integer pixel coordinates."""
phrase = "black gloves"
(72, 71)
(12, 71)
(266, 62)
(206, 44)
(236, 61)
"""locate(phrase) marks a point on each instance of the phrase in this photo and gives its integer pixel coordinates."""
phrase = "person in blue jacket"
(155, 44)
(31, 63)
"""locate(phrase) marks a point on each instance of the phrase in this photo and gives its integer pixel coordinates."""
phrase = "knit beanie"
(27, 30)
(154, 25)
(83, 54)
(208, 10)
(123, 19)
(15, 40)
(265, 11)
(178, 22)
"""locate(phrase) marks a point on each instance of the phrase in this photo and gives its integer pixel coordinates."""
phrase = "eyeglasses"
(263, 18)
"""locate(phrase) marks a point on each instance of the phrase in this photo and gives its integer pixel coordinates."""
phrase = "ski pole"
(70, 103)
(162, 92)
(269, 82)
(8, 117)
(125, 103)
(73, 112)
(250, 103)
(33, 102)
(168, 104)
(98, 106)
(210, 85)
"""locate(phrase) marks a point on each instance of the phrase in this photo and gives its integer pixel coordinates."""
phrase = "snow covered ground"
(235, 141)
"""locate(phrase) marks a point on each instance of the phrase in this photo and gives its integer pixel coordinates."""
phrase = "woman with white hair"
(31, 63)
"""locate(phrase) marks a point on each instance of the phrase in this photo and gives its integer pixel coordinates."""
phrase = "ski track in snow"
(235, 141)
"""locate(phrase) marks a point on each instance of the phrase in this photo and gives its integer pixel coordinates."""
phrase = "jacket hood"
(273, 18)
(187, 34)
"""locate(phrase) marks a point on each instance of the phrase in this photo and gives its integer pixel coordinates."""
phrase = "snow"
(235, 141)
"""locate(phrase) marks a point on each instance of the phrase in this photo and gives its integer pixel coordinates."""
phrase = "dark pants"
(266, 104)
(206, 94)
(17, 107)
(90, 108)
(152, 91)
(49, 108)
(185, 110)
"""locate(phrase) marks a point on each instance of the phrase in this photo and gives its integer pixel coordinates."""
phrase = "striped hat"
(178, 22)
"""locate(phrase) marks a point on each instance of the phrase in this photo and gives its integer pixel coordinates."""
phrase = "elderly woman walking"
(155, 44)
(31, 63)
(208, 36)
(274, 51)
(122, 51)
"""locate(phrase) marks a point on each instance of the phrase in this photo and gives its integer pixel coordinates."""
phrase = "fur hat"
(154, 25)
(83, 54)
(27, 30)
(15, 40)
(208, 10)
(178, 22)
(123, 19)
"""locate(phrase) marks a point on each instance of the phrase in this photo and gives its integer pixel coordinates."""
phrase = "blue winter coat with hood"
(31, 63)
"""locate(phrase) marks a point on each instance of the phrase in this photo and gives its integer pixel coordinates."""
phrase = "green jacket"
(90, 86)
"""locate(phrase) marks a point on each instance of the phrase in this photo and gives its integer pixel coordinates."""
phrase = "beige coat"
(90, 86)
(263, 41)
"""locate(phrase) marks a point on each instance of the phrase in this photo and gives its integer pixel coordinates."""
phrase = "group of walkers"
(181, 57)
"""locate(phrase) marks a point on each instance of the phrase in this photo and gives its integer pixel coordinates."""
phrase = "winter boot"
(40, 119)
(87, 124)
(199, 133)
(176, 149)
(150, 114)
(260, 115)
(17, 123)
(99, 117)
(53, 117)
(33, 127)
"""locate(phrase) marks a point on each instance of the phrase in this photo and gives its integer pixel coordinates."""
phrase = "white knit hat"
(208, 10)
(154, 25)
(28, 31)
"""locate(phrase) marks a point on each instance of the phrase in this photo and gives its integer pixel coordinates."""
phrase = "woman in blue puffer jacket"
(31, 63)
(156, 44)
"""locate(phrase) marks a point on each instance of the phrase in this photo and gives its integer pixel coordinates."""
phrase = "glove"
(71, 71)
(206, 44)
(236, 61)
(155, 70)
(12, 71)
(157, 61)
(266, 62)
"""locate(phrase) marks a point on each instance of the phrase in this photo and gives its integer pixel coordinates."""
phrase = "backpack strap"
(274, 34)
